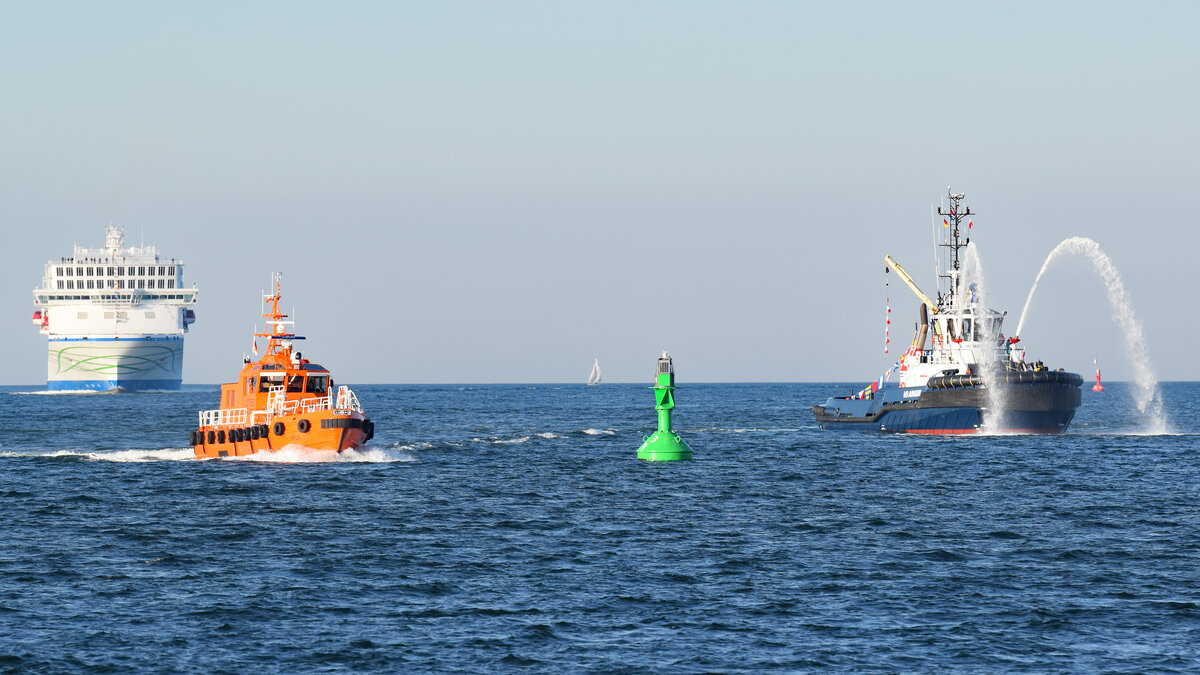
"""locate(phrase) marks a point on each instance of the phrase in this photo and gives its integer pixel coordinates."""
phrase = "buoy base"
(1097, 388)
(664, 447)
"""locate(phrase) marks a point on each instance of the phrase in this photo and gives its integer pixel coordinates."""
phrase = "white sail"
(594, 376)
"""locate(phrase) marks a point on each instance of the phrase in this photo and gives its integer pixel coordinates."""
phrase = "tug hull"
(1038, 403)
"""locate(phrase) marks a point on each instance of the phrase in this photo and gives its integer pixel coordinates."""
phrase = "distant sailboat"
(594, 376)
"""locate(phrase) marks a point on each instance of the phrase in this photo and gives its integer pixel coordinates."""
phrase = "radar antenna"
(952, 218)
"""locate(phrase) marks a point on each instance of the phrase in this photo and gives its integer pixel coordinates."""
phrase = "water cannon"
(664, 445)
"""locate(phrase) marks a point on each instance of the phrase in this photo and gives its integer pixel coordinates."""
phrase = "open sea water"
(509, 528)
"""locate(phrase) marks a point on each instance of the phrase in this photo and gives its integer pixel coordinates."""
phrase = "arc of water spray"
(1147, 395)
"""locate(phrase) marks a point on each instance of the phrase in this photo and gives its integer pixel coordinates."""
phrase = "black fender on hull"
(1011, 377)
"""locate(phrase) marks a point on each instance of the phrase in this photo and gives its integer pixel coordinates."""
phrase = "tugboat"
(971, 379)
(279, 400)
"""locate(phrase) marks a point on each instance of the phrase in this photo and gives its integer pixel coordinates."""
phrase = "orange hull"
(324, 432)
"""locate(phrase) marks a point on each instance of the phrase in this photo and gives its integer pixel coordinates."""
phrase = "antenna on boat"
(952, 219)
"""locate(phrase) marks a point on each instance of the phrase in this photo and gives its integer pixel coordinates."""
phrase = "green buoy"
(664, 445)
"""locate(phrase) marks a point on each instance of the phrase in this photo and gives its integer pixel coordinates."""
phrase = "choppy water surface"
(509, 528)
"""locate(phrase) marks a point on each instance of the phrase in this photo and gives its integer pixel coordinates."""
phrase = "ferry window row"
(140, 271)
(146, 296)
(71, 284)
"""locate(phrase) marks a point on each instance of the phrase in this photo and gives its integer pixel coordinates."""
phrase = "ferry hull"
(130, 364)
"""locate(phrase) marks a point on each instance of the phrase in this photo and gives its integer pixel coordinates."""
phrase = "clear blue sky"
(501, 192)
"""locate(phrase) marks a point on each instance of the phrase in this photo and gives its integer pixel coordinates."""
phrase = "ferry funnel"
(664, 445)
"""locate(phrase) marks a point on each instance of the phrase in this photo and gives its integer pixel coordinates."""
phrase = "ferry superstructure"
(115, 317)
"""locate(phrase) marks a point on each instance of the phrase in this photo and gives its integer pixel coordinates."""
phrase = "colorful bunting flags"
(887, 326)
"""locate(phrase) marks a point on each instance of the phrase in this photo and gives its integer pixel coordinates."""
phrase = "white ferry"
(115, 317)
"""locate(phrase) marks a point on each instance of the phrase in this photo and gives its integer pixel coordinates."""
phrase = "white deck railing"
(278, 406)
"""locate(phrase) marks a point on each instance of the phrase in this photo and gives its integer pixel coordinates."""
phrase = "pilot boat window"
(966, 330)
(295, 384)
(250, 385)
(265, 383)
(318, 384)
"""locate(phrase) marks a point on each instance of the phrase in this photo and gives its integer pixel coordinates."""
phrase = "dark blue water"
(509, 528)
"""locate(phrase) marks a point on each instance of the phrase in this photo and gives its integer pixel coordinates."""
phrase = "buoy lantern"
(664, 445)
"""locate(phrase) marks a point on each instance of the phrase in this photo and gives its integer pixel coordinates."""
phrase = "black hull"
(1042, 402)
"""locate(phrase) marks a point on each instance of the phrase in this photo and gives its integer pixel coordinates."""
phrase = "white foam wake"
(499, 441)
(299, 454)
(163, 455)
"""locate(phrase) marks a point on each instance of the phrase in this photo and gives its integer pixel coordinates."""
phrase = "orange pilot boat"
(280, 400)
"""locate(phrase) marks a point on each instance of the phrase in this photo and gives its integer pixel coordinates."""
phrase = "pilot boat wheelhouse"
(279, 400)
